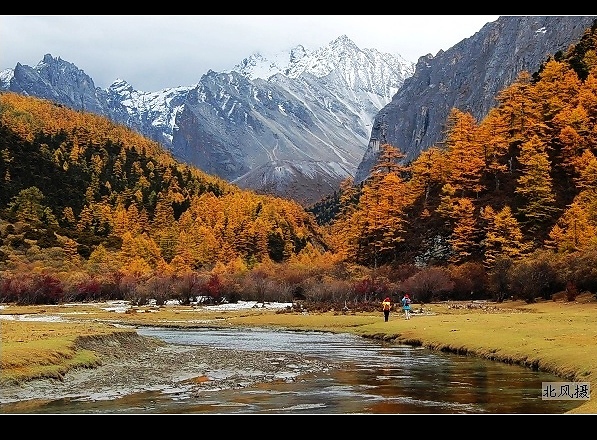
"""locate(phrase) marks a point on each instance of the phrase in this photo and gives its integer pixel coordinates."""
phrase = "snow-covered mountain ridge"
(298, 119)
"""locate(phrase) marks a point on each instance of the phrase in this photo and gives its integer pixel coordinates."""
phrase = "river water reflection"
(378, 378)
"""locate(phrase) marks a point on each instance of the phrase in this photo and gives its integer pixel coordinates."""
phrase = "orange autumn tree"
(140, 255)
(376, 227)
(517, 107)
(389, 160)
(587, 171)
(339, 234)
(493, 139)
(557, 90)
(464, 237)
(464, 156)
(575, 229)
(587, 98)
(535, 184)
(163, 228)
(503, 236)
(573, 145)
(427, 172)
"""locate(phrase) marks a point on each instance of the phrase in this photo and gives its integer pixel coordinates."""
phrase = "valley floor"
(557, 337)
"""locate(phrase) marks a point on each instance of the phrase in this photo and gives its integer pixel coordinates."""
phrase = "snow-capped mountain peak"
(265, 66)
(300, 117)
(120, 86)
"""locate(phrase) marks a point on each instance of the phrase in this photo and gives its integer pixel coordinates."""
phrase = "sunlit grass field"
(555, 336)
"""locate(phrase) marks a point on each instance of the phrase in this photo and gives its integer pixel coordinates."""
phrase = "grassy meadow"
(555, 336)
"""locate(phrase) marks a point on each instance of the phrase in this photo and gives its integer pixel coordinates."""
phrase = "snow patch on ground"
(120, 306)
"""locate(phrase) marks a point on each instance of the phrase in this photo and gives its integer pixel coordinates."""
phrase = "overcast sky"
(154, 52)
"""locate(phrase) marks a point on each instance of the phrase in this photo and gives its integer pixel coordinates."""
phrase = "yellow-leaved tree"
(465, 231)
(378, 223)
(535, 184)
(576, 228)
(503, 236)
(464, 160)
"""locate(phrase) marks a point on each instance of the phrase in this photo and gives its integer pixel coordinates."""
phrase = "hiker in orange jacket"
(386, 305)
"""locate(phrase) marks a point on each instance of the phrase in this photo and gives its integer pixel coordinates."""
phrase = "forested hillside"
(506, 206)
(512, 192)
(80, 193)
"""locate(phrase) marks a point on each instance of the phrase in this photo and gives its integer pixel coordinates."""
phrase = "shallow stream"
(377, 378)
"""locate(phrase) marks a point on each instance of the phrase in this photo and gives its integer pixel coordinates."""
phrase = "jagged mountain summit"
(296, 124)
(293, 125)
(467, 76)
(150, 113)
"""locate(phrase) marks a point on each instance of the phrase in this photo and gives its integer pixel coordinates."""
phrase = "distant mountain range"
(294, 124)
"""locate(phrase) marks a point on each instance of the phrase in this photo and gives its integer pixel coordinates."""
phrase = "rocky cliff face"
(467, 76)
(55, 80)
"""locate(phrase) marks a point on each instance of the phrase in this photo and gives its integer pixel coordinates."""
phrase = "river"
(376, 378)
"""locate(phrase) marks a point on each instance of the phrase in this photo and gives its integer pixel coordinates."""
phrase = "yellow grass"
(558, 337)
(33, 350)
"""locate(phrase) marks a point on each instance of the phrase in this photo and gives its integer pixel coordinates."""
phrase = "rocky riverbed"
(132, 363)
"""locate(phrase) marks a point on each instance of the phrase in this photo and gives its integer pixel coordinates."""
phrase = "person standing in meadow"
(406, 305)
(386, 305)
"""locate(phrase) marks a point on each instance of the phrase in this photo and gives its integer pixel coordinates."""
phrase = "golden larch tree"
(493, 139)
(464, 237)
(464, 158)
(503, 236)
(576, 229)
(535, 183)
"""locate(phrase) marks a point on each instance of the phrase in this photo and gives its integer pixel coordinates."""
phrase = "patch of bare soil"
(133, 363)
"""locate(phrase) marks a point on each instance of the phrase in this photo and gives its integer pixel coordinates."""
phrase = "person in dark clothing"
(386, 305)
